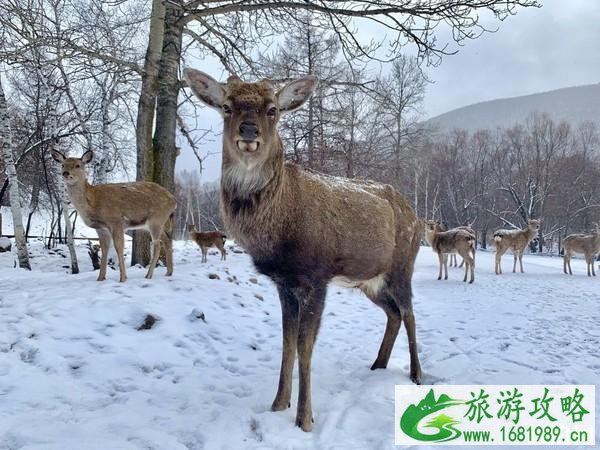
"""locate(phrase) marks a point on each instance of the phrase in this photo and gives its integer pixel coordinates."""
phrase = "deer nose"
(248, 131)
(65, 174)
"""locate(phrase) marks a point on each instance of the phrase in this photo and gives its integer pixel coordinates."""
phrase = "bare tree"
(11, 174)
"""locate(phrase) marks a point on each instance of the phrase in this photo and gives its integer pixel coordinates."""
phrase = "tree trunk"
(102, 167)
(164, 147)
(140, 253)
(62, 188)
(68, 225)
(11, 174)
(70, 240)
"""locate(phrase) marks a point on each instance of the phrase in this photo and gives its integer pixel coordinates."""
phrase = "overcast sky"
(537, 50)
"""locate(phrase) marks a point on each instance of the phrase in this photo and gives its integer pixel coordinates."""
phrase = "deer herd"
(301, 229)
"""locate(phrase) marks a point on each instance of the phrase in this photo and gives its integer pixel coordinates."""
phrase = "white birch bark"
(11, 173)
(62, 189)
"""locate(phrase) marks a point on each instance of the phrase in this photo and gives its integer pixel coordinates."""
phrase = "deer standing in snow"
(207, 239)
(588, 244)
(304, 230)
(515, 240)
(113, 208)
(452, 241)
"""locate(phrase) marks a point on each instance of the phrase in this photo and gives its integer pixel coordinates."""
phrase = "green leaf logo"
(414, 415)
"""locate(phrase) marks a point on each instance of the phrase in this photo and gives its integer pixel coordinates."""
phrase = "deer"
(588, 244)
(113, 208)
(440, 227)
(455, 240)
(206, 240)
(515, 240)
(304, 230)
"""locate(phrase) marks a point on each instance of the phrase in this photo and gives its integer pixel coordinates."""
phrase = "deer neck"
(430, 236)
(246, 180)
(253, 199)
(80, 194)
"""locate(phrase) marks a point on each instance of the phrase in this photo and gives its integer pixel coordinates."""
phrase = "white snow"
(76, 374)
(5, 243)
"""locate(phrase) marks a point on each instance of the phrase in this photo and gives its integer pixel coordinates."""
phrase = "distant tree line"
(503, 177)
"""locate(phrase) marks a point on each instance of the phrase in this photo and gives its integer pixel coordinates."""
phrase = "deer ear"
(57, 156)
(293, 95)
(205, 87)
(87, 156)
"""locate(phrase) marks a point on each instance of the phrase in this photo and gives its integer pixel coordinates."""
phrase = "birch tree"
(11, 174)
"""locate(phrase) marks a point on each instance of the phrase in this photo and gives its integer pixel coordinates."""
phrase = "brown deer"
(113, 208)
(452, 241)
(468, 229)
(588, 244)
(515, 240)
(440, 227)
(304, 230)
(206, 240)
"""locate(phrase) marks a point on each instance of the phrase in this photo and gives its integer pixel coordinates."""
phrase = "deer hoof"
(101, 279)
(416, 377)
(305, 424)
(378, 365)
(280, 406)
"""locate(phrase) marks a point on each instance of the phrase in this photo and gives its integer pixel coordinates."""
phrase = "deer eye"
(77, 166)
(227, 109)
(272, 111)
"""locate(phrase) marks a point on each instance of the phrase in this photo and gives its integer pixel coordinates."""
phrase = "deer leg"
(592, 264)
(104, 238)
(441, 260)
(411, 334)
(394, 321)
(311, 303)
(498, 263)
(565, 263)
(168, 245)
(402, 294)
(156, 233)
(515, 256)
(289, 315)
(589, 263)
(569, 264)
(118, 237)
(471, 263)
(521, 261)
(445, 267)
(204, 252)
(154, 259)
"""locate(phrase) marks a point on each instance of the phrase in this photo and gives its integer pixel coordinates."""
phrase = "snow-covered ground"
(75, 373)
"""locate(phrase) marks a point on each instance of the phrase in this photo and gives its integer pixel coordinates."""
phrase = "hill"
(573, 104)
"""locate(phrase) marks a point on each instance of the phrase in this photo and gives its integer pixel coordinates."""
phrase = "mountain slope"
(573, 104)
